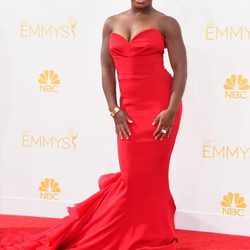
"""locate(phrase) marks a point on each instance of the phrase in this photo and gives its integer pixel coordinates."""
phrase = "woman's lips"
(140, 1)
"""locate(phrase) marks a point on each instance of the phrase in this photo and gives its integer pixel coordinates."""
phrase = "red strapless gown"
(134, 208)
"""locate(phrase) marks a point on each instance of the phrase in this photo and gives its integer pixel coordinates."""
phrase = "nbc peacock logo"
(236, 87)
(49, 81)
(64, 30)
(233, 204)
(49, 189)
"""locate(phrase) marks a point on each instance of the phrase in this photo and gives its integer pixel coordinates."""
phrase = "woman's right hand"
(122, 129)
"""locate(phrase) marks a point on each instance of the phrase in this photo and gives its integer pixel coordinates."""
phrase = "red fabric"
(134, 208)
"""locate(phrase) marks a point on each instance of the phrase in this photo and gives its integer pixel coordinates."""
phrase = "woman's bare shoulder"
(117, 16)
(165, 19)
(112, 19)
(168, 23)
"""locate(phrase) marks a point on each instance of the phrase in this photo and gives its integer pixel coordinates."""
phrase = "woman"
(134, 208)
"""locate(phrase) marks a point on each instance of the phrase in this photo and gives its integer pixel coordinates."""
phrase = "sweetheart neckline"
(129, 41)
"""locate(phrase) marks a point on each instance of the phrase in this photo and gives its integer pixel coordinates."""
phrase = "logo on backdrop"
(65, 142)
(236, 87)
(215, 31)
(233, 204)
(65, 30)
(225, 152)
(49, 189)
(49, 81)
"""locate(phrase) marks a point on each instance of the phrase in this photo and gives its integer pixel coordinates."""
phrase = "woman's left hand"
(165, 121)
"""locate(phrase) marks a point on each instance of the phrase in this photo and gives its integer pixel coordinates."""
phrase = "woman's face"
(141, 3)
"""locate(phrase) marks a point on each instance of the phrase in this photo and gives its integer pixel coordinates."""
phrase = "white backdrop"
(56, 134)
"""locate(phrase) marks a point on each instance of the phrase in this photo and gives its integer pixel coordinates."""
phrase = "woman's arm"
(178, 60)
(109, 83)
(108, 67)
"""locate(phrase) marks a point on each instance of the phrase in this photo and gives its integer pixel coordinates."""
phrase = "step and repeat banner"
(56, 134)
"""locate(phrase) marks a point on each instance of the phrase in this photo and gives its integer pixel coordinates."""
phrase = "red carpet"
(188, 240)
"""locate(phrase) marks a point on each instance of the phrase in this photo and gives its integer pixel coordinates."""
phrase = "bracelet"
(114, 111)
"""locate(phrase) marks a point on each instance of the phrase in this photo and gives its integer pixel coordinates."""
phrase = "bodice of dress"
(140, 57)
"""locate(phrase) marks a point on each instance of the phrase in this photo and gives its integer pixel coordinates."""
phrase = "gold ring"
(164, 131)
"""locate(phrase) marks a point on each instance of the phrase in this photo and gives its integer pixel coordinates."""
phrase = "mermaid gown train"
(133, 208)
